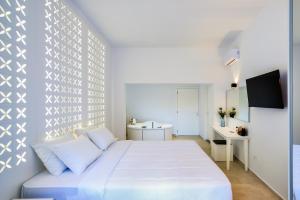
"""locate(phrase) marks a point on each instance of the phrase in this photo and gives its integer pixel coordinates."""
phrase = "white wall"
(296, 98)
(164, 65)
(158, 102)
(264, 47)
(203, 112)
(12, 179)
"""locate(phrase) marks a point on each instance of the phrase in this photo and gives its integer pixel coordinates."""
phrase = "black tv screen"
(264, 91)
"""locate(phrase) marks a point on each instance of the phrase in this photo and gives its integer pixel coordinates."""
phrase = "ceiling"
(128, 23)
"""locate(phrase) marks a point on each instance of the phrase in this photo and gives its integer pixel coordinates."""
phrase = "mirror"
(237, 102)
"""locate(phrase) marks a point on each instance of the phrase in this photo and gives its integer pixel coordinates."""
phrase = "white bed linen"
(296, 172)
(166, 170)
(66, 186)
(45, 185)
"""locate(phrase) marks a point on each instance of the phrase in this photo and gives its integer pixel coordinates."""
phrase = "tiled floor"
(245, 185)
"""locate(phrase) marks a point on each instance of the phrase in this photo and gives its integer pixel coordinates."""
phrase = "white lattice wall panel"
(13, 87)
(96, 71)
(63, 72)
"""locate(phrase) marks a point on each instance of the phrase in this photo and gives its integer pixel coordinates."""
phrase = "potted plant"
(232, 113)
(222, 116)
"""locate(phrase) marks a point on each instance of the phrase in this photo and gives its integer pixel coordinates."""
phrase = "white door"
(187, 111)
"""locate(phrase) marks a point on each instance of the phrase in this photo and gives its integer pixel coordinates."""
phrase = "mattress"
(44, 185)
(139, 170)
(66, 186)
(296, 171)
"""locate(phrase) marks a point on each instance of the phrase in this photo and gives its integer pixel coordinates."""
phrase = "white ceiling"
(169, 22)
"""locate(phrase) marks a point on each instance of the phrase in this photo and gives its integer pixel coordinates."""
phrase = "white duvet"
(167, 170)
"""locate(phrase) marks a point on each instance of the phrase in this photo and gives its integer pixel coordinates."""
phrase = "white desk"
(230, 134)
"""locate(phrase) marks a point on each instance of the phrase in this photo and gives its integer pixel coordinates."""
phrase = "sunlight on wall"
(63, 73)
(74, 72)
(13, 80)
(96, 69)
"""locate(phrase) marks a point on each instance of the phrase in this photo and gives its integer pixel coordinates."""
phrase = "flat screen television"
(264, 91)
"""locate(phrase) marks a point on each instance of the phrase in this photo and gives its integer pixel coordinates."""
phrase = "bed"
(139, 170)
(296, 172)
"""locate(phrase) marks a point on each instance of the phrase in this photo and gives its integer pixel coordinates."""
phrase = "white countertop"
(229, 133)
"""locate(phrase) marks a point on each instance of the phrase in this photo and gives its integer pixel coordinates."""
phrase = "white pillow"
(52, 163)
(102, 137)
(77, 154)
(83, 131)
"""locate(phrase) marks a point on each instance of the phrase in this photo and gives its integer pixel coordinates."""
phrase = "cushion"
(51, 162)
(83, 131)
(77, 154)
(102, 137)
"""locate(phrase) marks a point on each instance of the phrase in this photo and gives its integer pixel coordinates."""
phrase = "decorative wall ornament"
(74, 78)
(68, 76)
(63, 69)
(13, 87)
(96, 81)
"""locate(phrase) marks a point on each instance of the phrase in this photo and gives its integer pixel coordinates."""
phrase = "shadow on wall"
(229, 39)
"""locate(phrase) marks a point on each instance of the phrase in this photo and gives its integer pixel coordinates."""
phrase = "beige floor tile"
(245, 185)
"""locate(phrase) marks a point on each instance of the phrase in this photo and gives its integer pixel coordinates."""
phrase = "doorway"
(188, 111)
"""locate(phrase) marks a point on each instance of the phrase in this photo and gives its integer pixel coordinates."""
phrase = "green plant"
(222, 113)
(232, 113)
